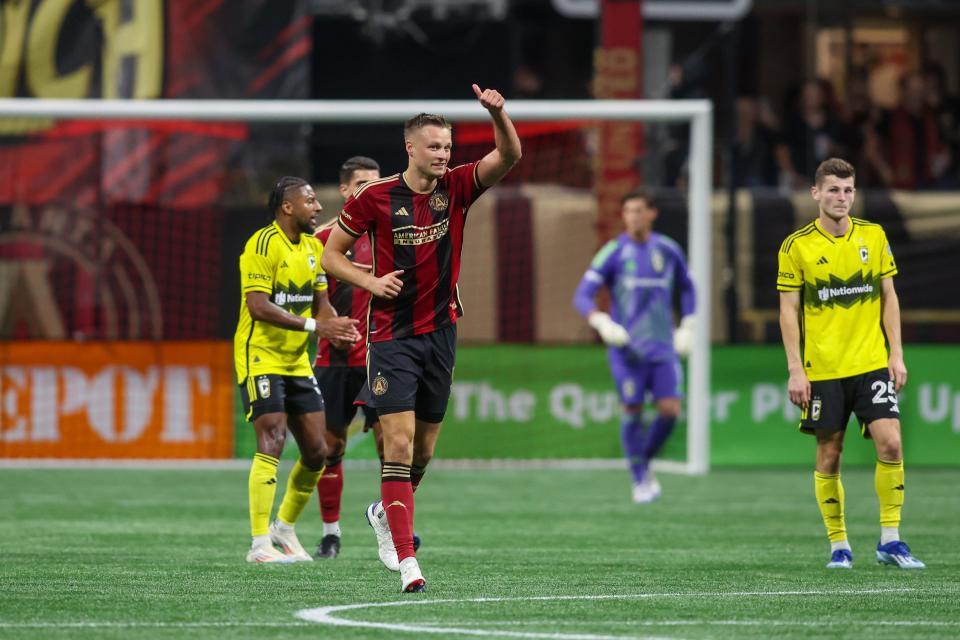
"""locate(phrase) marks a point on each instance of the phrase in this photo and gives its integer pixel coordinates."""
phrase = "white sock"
(331, 528)
(283, 526)
(842, 544)
(889, 534)
(261, 541)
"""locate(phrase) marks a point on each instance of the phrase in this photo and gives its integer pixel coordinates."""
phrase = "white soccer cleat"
(646, 491)
(268, 555)
(377, 519)
(284, 537)
(411, 580)
(641, 493)
(653, 484)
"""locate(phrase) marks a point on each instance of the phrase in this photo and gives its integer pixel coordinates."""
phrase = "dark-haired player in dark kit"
(415, 221)
(342, 372)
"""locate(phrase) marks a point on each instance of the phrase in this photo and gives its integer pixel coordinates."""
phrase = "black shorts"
(871, 396)
(274, 393)
(340, 387)
(413, 374)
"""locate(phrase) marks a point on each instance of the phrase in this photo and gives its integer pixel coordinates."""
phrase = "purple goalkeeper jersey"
(641, 277)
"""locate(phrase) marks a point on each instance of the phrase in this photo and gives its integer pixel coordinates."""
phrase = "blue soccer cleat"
(898, 554)
(841, 559)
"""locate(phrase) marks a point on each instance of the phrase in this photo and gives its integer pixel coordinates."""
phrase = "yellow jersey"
(841, 332)
(290, 273)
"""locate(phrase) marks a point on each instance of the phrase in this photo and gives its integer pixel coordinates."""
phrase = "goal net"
(121, 223)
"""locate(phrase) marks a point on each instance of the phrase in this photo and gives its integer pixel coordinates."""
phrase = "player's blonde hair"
(422, 120)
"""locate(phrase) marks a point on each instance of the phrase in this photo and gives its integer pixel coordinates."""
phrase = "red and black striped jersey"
(350, 301)
(422, 234)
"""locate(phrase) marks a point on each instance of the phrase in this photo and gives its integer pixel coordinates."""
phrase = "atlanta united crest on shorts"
(379, 386)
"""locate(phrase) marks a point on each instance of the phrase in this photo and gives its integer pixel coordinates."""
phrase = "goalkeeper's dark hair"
(641, 193)
(279, 192)
(356, 163)
(422, 120)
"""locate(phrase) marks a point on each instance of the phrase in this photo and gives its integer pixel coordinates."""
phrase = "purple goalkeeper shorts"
(635, 378)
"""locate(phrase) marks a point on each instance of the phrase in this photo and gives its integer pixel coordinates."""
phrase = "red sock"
(397, 494)
(329, 490)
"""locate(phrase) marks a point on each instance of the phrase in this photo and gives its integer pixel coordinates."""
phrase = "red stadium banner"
(150, 49)
(618, 65)
(116, 400)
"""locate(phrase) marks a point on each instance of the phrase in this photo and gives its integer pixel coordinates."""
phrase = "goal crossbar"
(698, 113)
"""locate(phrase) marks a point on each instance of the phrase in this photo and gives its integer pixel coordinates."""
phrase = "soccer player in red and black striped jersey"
(415, 221)
(340, 370)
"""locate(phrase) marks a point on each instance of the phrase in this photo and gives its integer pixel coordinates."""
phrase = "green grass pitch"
(740, 553)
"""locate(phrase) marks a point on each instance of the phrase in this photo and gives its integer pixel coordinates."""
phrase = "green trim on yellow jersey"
(839, 279)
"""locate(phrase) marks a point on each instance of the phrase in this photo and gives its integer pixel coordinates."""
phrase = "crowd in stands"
(915, 145)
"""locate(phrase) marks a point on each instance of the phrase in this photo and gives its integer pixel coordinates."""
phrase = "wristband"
(310, 325)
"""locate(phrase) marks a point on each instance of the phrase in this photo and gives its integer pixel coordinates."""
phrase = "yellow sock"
(300, 486)
(829, 491)
(263, 486)
(888, 481)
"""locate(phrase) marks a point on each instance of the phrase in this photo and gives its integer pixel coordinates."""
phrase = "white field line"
(148, 625)
(326, 615)
(707, 623)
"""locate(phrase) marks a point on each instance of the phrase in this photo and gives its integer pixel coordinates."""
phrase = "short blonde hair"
(422, 120)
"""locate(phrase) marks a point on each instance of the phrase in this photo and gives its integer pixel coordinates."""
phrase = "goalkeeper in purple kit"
(640, 269)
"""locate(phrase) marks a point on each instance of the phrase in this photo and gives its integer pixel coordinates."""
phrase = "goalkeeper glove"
(683, 337)
(610, 332)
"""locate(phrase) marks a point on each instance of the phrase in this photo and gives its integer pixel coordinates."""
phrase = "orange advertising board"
(116, 399)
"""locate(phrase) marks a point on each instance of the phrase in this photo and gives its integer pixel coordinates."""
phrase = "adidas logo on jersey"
(822, 260)
(402, 211)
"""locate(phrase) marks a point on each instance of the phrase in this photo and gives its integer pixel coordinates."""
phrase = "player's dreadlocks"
(279, 191)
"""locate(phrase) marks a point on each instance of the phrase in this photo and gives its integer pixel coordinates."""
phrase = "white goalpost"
(698, 113)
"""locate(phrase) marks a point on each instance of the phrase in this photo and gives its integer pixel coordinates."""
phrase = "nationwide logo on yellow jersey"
(293, 298)
(844, 293)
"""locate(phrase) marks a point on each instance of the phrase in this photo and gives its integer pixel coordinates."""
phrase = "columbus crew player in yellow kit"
(284, 302)
(836, 303)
